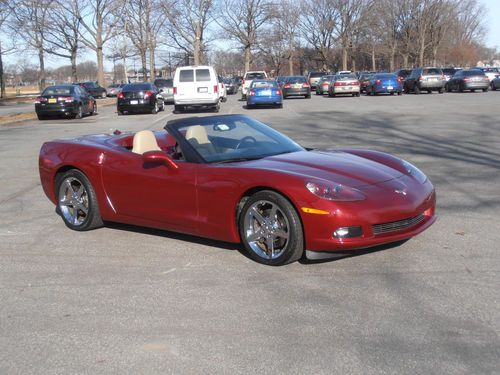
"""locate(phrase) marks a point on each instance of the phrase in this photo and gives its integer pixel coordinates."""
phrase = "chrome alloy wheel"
(73, 201)
(266, 229)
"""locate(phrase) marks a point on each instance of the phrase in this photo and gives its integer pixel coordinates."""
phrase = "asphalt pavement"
(131, 300)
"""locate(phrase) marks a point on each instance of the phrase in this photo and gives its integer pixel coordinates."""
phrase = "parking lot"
(125, 299)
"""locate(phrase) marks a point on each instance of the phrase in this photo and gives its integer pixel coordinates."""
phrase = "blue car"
(384, 83)
(264, 92)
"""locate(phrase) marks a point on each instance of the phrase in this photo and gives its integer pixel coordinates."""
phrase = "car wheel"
(429, 91)
(485, 90)
(270, 229)
(177, 108)
(77, 201)
(441, 90)
(103, 95)
(448, 88)
(94, 110)
(216, 108)
(492, 86)
(79, 113)
(41, 117)
(308, 96)
(391, 93)
(400, 93)
(280, 105)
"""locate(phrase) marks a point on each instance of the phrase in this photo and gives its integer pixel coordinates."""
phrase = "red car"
(234, 179)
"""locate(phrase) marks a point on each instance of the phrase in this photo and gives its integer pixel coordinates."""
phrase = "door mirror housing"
(159, 157)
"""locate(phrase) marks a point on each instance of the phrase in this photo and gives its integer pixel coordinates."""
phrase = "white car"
(196, 86)
(247, 81)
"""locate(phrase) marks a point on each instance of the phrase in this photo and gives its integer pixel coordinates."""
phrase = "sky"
(491, 39)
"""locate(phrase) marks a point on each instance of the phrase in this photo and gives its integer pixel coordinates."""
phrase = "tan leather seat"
(145, 141)
(199, 133)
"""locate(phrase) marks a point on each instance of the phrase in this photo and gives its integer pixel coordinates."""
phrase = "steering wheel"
(246, 139)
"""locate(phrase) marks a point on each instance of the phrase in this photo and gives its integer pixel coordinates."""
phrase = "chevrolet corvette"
(235, 179)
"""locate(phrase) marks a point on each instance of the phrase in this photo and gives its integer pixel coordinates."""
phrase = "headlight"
(334, 192)
(414, 172)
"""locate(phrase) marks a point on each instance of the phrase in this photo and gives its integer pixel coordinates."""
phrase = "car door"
(152, 193)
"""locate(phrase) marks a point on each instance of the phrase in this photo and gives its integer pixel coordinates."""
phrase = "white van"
(196, 86)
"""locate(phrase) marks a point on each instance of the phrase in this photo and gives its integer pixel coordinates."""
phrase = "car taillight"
(40, 99)
(355, 83)
(278, 92)
(305, 84)
(66, 99)
(378, 82)
(175, 90)
(222, 84)
(120, 95)
(400, 79)
(148, 94)
(466, 79)
(287, 86)
(325, 84)
(216, 89)
(251, 93)
(337, 84)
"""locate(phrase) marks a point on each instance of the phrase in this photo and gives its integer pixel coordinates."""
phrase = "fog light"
(347, 232)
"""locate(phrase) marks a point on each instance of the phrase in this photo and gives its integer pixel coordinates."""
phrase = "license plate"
(389, 87)
(266, 92)
(297, 86)
(134, 102)
(52, 100)
(202, 89)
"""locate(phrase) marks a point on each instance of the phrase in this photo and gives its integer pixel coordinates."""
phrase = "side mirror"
(159, 157)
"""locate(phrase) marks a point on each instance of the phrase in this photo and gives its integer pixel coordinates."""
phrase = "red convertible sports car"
(234, 179)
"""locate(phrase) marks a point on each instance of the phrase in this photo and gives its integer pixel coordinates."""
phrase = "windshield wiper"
(235, 160)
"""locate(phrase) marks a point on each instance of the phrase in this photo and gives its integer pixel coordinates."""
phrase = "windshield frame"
(175, 128)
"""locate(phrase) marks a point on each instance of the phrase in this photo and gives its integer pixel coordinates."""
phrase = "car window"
(186, 75)
(251, 76)
(432, 71)
(230, 139)
(202, 75)
(469, 73)
(58, 91)
(137, 87)
(297, 79)
(263, 84)
(164, 83)
(316, 74)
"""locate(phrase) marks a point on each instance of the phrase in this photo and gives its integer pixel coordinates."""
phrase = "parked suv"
(247, 81)
(196, 86)
(314, 77)
(425, 79)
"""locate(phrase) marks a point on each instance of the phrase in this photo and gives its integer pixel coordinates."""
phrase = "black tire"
(492, 86)
(485, 90)
(178, 108)
(441, 90)
(120, 113)
(448, 88)
(308, 96)
(285, 220)
(330, 94)
(280, 105)
(391, 93)
(79, 113)
(94, 110)
(41, 117)
(84, 198)
(216, 108)
(429, 91)
(400, 93)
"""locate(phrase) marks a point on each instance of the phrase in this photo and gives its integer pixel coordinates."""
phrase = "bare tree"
(244, 22)
(98, 26)
(4, 17)
(62, 33)
(31, 23)
(317, 24)
(187, 23)
(286, 13)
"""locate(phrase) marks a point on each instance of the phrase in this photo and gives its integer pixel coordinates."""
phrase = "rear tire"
(77, 201)
(485, 90)
(41, 117)
(178, 108)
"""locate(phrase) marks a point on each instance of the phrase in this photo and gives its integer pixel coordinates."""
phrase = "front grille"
(397, 225)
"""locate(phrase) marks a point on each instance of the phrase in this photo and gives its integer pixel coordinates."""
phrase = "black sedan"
(231, 86)
(139, 97)
(296, 86)
(468, 79)
(64, 100)
(94, 89)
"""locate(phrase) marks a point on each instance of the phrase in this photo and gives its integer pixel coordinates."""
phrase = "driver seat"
(144, 141)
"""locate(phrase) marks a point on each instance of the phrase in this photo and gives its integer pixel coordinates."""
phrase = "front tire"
(270, 229)
(77, 201)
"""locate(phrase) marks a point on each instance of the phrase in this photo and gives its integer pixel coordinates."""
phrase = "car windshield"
(251, 76)
(470, 73)
(316, 74)
(404, 73)
(164, 83)
(296, 79)
(54, 90)
(263, 84)
(432, 72)
(137, 87)
(225, 139)
(385, 76)
(344, 77)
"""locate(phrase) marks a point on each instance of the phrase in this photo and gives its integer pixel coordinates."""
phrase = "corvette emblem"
(400, 192)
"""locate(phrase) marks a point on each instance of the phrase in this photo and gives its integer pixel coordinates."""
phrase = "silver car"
(166, 88)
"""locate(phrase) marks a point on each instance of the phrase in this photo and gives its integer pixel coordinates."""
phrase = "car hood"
(336, 166)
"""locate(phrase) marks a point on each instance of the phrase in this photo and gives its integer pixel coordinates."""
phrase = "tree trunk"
(100, 66)
(421, 51)
(144, 66)
(391, 59)
(197, 45)
(125, 76)
(152, 67)
(374, 62)
(2, 82)
(344, 56)
(41, 81)
(290, 63)
(248, 57)
(74, 76)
